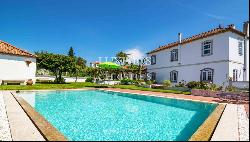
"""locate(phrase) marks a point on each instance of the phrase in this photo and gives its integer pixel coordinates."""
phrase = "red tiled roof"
(199, 36)
(6, 48)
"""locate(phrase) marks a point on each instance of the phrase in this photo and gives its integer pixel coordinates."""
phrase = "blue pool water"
(103, 115)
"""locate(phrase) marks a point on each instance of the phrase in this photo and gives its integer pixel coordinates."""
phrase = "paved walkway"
(22, 129)
(171, 95)
(227, 128)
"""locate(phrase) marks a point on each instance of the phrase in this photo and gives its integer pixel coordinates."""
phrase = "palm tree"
(122, 58)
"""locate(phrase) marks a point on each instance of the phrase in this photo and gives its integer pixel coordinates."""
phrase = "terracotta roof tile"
(199, 36)
(6, 48)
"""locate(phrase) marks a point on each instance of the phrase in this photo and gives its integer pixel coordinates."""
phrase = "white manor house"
(213, 56)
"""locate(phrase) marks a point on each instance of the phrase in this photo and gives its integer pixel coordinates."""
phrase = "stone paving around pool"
(21, 127)
(4, 123)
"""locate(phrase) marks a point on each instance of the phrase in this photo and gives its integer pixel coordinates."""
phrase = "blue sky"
(103, 27)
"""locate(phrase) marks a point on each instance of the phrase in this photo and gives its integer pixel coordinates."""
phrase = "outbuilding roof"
(6, 48)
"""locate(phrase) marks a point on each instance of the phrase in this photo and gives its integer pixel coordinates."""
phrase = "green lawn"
(46, 86)
(39, 86)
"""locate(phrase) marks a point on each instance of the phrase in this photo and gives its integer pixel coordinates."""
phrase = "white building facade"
(16, 65)
(213, 56)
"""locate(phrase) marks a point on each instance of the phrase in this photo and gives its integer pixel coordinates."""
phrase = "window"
(207, 75)
(240, 47)
(153, 59)
(174, 55)
(235, 75)
(153, 76)
(207, 47)
(173, 76)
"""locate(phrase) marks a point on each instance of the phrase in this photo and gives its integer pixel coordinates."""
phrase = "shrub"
(231, 88)
(89, 79)
(213, 87)
(59, 80)
(167, 83)
(204, 85)
(29, 82)
(149, 82)
(127, 81)
(193, 84)
(44, 81)
(219, 88)
(181, 84)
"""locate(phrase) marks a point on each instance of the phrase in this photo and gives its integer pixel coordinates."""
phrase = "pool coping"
(47, 130)
(207, 128)
(203, 133)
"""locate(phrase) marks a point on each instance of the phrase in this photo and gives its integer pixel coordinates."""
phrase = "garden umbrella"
(108, 65)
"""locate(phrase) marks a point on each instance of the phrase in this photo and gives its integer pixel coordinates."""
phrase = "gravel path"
(4, 124)
(243, 123)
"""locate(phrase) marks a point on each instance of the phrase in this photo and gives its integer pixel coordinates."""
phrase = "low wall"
(67, 79)
(240, 84)
(220, 94)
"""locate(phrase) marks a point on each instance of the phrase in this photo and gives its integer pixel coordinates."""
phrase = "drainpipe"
(246, 31)
(179, 50)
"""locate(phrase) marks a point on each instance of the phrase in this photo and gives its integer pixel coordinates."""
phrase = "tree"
(122, 58)
(78, 66)
(71, 52)
(55, 63)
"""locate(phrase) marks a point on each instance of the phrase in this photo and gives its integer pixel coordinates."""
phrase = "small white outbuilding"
(17, 66)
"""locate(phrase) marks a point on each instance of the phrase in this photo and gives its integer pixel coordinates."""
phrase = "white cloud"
(134, 54)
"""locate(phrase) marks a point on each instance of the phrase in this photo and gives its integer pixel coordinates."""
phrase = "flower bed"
(220, 94)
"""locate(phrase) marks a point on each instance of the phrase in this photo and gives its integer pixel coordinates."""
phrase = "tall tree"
(71, 52)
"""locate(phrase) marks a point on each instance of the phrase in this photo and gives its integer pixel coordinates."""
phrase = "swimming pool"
(106, 115)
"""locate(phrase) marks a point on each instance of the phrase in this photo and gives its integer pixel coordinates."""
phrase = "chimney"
(231, 26)
(179, 37)
(220, 26)
(179, 47)
(246, 28)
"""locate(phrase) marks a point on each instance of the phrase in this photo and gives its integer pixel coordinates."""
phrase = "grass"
(133, 87)
(39, 86)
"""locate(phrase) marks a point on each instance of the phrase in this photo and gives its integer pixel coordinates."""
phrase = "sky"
(101, 28)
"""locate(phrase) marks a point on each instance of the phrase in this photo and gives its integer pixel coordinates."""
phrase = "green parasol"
(108, 65)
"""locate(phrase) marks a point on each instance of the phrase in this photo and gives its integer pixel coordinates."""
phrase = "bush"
(127, 81)
(29, 82)
(89, 79)
(193, 84)
(181, 84)
(204, 86)
(59, 80)
(167, 83)
(44, 81)
(213, 87)
(201, 85)
(219, 88)
(149, 82)
(231, 88)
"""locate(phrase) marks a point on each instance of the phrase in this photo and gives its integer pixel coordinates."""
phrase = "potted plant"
(29, 82)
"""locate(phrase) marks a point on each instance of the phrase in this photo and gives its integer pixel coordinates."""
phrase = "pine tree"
(71, 52)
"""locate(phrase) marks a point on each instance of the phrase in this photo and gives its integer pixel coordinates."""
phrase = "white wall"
(224, 59)
(192, 73)
(67, 79)
(15, 68)
(191, 52)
